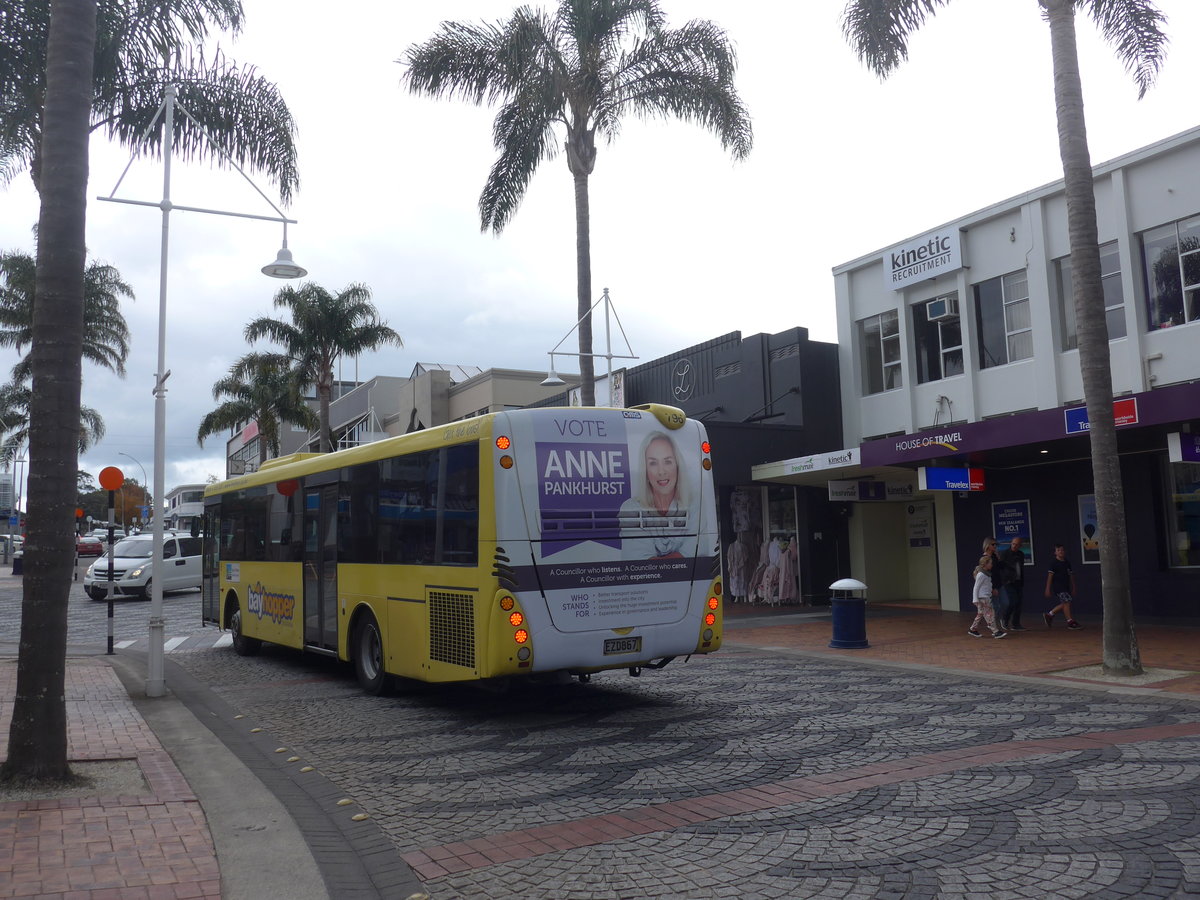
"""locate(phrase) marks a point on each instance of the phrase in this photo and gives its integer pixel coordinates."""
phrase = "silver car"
(132, 567)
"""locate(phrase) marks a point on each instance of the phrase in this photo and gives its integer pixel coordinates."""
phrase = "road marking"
(172, 644)
(121, 645)
(225, 640)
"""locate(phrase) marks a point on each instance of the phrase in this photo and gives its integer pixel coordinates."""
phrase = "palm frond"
(244, 115)
(524, 135)
(878, 30)
(686, 73)
(1136, 31)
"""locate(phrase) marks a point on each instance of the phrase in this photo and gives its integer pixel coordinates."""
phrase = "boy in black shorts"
(1060, 584)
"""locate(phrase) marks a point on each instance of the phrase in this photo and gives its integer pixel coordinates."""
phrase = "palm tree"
(37, 737)
(16, 400)
(583, 68)
(879, 33)
(259, 388)
(59, 82)
(324, 328)
(105, 334)
(139, 50)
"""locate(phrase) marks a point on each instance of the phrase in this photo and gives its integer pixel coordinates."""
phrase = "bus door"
(210, 569)
(320, 567)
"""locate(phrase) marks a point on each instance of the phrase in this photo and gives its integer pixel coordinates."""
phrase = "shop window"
(1002, 314)
(1171, 265)
(938, 335)
(1183, 513)
(1114, 296)
(879, 339)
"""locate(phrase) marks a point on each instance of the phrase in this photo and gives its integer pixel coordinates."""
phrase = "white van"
(132, 564)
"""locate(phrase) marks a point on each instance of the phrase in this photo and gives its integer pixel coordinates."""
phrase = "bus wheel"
(368, 657)
(242, 645)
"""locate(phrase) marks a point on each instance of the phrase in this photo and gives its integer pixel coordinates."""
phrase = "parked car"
(132, 565)
(86, 545)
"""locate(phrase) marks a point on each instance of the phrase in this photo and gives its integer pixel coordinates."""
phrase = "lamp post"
(144, 482)
(552, 379)
(282, 267)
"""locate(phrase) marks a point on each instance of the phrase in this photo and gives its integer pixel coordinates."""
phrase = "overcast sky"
(691, 244)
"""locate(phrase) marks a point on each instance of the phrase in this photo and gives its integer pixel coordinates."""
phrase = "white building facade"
(958, 351)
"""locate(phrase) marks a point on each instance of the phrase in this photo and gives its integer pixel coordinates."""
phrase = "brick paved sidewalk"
(153, 845)
(934, 637)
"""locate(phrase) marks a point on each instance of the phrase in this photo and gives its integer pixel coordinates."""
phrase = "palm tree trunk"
(1120, 649)
(37, 740)
(583, 254)
(324, 394)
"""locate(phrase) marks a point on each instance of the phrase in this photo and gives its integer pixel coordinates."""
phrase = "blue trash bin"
(849, 614)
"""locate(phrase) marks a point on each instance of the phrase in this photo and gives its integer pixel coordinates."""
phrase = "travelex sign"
(938, 479)
(925, 257)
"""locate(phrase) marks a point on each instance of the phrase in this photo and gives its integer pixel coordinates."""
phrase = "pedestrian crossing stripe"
(225, 640)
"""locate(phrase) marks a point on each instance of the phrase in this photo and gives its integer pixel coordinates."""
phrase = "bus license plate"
(622, 645)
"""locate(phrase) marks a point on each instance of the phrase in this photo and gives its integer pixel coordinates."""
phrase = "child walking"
(1060, 585)
(983, 600)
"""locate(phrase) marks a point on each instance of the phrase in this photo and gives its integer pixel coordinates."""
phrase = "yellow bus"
(535, 542)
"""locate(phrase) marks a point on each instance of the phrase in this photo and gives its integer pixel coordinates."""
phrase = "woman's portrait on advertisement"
(658, 506)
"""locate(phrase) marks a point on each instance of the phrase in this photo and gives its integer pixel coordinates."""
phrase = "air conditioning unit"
(940, 309)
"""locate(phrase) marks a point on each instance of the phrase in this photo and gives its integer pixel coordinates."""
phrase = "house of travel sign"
(925, 257)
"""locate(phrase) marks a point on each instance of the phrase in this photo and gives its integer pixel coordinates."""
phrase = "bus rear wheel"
(242, 645)
(369, 657)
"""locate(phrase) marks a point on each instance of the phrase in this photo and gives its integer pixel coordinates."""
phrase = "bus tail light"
(521, 636)
(503, 442)
(515, 619)
(710, 619)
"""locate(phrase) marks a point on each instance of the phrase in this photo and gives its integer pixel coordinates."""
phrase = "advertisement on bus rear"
(616, 506)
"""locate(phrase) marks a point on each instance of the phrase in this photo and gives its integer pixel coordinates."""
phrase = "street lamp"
(283, 267)
(552, 378)
(144, 482)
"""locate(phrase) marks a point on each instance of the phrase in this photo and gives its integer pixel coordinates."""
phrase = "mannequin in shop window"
(755, 590)
(738, 561)
(788, 571)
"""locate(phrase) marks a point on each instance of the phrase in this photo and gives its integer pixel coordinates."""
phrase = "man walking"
(1014, 583)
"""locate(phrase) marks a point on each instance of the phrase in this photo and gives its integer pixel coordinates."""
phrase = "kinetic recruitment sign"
(923, 258)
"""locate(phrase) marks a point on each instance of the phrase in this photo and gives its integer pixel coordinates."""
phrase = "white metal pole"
(608, 354)
(155, 676)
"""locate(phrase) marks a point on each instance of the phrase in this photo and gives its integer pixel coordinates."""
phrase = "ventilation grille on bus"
(452, 628)
(503, 571)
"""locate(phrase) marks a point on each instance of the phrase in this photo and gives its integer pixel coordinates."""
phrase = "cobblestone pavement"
(750, 774)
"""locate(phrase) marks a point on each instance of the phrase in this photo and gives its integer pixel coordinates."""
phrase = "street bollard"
(849, 615)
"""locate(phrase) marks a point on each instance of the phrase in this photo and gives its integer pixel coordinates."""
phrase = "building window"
(1183, 513)
(880, 340)
(1002, 311)
(1171, 260)
(1114, 296)
(938, 335)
